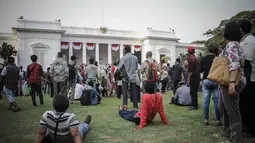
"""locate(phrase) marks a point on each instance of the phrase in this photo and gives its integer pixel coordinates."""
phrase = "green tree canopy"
(6, 51)
(216, 34)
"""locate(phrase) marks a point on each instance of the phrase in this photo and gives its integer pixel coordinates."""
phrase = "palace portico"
(46, 38)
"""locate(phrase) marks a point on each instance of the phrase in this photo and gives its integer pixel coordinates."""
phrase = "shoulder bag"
(47, 138)
(219, 71)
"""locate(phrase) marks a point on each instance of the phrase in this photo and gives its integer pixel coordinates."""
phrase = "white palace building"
(47, 38)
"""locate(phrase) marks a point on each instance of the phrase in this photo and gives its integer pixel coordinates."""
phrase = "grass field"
(108, 127)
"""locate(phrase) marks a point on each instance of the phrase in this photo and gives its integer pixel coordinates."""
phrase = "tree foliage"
(216, 34)
(6, 51)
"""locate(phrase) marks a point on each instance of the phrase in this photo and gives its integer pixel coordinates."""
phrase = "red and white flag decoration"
(64, 45)
(90, 46)
(76, 45)
(137, 47)
(115, 47)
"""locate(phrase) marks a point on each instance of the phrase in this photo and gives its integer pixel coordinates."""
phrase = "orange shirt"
(151, 104)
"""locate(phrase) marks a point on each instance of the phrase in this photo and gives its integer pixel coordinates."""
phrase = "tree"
(216, 35)
(6, 51)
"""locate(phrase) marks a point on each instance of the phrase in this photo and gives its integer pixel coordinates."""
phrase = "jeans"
(133, 95)
(232, 121)
(10, 94)
(36, 88)
(194, 85)
(210, 87)
(83, 129)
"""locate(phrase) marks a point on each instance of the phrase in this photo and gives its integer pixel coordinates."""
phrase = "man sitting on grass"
(67, 127)
(151, 104)
(182, 95)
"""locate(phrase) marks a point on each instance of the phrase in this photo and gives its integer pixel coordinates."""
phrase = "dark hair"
(178, 60)
(213, 48)
(127, 49)
(33, 58)
(21, 67)
(115, 63)
(150, 87)
(96, 63)
(48, 68)
(168, 64)
(91, 60)
(232, 32)
(60, 103)
(73, 58)
(90, 83)
(245, 25)
(60, 55)
(11, 60)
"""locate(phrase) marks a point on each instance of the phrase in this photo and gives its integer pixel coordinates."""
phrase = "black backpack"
(72, 72)
(85, 97)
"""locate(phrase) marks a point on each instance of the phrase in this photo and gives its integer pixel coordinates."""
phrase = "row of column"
(84, 58)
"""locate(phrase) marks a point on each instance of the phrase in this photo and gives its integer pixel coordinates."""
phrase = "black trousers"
(247, 107)
(175, 85)
(133, 96)
(36, 88)
(164, 84)
(194, 85)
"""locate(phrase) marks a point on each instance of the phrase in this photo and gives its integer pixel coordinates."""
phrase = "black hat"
(73, 57)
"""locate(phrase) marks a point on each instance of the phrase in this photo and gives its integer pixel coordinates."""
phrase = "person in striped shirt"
(69, 130)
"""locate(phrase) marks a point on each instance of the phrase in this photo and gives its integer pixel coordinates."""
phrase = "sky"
(189, 18)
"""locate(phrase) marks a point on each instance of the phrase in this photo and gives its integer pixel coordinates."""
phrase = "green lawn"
(108, 127)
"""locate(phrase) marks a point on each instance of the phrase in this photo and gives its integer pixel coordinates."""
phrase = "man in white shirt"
(247, 97)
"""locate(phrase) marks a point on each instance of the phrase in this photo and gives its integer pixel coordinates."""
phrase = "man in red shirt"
(34, 75)
(193, 77)
(151, 104)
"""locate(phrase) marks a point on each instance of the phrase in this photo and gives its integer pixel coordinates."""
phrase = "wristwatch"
(232, 82)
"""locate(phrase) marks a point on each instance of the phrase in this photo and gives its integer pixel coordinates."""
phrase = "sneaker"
(206, 122)
(16, 109)
(192, 108)
(88, 119)
(218, 123)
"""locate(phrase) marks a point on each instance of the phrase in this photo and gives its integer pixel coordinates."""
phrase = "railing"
(22, 23)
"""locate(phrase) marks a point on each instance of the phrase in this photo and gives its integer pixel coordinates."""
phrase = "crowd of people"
(233, 104)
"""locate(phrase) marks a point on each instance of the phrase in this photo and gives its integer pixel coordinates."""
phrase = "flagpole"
(102, 14)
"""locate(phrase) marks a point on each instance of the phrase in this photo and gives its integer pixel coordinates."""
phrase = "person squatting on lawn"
(63, 127)
(182, 95)
(151, 104)
(209, 87)
(34, 76)
(10, 77)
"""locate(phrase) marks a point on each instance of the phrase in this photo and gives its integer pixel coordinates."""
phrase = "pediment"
(39, 45)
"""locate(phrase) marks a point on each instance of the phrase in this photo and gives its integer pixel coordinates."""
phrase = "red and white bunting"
(64, 45)
(137, 48)
(115, 47)
(90, 46)
(76, 45)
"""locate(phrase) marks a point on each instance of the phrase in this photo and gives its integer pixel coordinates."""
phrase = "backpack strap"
(56, 128)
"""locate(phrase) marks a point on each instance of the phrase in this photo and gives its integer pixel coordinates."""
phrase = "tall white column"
(70, 50)
(97, 52)
(84, 52)
(121, 50)
(109, 53)
(132, 49)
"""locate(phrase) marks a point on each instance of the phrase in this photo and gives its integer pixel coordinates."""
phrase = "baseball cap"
(191, 49)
